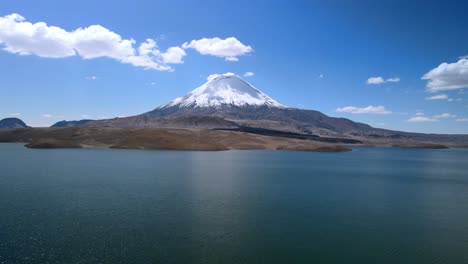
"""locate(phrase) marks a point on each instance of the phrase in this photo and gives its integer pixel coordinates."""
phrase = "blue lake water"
(371, 205)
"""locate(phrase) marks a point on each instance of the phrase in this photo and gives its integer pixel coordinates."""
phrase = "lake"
(371, 205)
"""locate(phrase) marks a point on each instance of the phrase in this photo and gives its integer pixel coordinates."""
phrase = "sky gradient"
(390, 64)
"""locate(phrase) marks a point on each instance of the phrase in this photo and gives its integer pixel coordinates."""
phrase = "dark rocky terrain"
(65, 123)
(12, 122)
(306, 123)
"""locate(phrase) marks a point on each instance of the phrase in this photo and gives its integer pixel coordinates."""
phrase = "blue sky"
(362, 60)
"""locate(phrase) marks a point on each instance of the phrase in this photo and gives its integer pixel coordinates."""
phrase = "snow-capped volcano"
(227, 101)
(224, 90)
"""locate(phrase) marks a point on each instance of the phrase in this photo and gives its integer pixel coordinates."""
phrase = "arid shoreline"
(184, 139)
(158, 139)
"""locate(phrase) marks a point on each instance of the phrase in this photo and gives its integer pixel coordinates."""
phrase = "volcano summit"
(225, 90)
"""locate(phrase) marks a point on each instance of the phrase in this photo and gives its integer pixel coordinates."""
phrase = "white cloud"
(437, 97)
(173, 55)
(231, 59)
(86, 116)
(448, 76)
(214, 75)
(462, 120)
(380, 80)
(14, 114)
(24, 38)
(150, 57)
(229, 48)
(96, 41)
(421, 119)
(146, 62)
(444, 116)
(91, 78)
(47, 115)
(455, 99)
(375, 80)
(249, 74)
(365, 110)
(395, 79)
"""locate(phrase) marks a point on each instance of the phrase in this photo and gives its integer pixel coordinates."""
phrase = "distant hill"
(65, 123)
(12, 122)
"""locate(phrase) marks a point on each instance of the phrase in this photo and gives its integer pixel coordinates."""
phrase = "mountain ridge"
(71, 123)
(12, 122)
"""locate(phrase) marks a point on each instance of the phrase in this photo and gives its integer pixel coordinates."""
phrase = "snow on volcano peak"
(224, 90)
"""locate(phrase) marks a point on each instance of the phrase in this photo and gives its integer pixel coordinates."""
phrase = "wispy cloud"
(364, 110)
(249, 74)
(375, 80)
(443, 97)
(380, 80)
(444, 116)
(437, 97)
(462, 120)
(396, 79)
(214, 75)
(421, 119)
